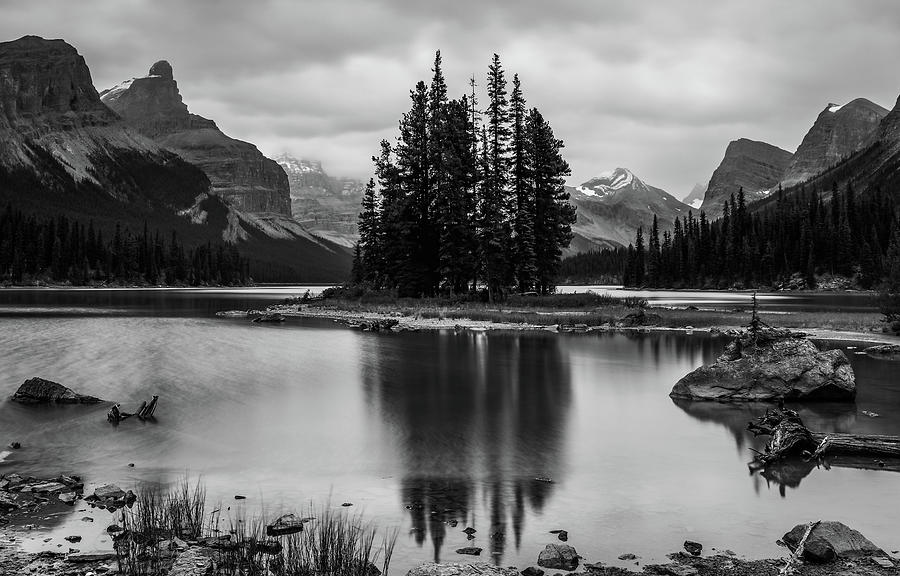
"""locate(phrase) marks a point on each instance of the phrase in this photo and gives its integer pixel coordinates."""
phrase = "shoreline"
(410, 322)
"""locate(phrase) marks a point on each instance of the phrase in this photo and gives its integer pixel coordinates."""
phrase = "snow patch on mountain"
(834, 107)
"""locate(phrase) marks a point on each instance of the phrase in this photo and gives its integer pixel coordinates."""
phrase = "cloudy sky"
(659, 87)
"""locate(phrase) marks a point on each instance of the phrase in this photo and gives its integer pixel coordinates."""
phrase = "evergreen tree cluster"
(466, 197)
(63, 249)
(807, 232)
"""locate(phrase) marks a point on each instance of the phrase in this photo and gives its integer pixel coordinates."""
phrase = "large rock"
(558, 557)
(237, 170)
(830, 540)
(40, 391)
(475, 569)
(776, 367)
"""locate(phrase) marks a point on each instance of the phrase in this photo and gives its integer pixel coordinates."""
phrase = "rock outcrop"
(773, 366)
(757, 167)
(237, 170)
(40, 391)
(829, 541)
(838, 132)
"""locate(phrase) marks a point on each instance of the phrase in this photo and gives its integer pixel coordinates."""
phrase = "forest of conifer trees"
(807, 233)
(466, 198)
(62, 249)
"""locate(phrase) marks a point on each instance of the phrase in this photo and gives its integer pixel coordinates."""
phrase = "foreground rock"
(829, 541)
(194, 562)
(558, 557)
(40, 391)
(774, 365)
(884, 351)
(475, 569)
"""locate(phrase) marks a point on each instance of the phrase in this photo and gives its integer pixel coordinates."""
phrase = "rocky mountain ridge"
(757, 167)
(237, 170)
(63, 152)
(326, 205)
(838, 132)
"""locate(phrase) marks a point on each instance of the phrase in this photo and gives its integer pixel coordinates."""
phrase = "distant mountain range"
(611, 207)
(63, 151)
(325, 205)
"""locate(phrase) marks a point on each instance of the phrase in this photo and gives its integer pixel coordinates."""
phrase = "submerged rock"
(884, 351)
(558, 557)
(284, 525)
(474, 569)
(693, 548)
(40, 391)
(830, 540)
(273, 317)
(775, 365)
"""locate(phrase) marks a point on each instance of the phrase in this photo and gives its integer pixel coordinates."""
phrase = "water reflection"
(474, 435)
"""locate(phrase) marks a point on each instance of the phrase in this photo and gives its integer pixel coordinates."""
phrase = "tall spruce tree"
(523, 190)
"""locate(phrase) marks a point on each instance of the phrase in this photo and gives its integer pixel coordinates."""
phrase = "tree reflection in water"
(475, 435)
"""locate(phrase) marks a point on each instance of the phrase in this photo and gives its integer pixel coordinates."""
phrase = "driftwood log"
(146, 411)
(789, 437)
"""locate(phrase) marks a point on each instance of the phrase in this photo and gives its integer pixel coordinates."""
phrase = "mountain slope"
(63, 152)
(756, 167)
(327, 206)
(237, 170)
(612, 206)
(838, 132)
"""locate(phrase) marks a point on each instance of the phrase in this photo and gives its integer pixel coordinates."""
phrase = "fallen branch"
(788, 568)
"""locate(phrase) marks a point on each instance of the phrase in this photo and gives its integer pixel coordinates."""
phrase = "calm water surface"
(418, 429)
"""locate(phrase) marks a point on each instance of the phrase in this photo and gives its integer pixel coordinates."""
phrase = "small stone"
(693, 548)
(15, 445)
(470, 550)
(469, 530)
(113, 529)
(532, 571)
(73, 539)
(68, 497)
(677, 569)
(628, 556)
(563, 535)
(131, 464)
(239, 497)
(346, 504)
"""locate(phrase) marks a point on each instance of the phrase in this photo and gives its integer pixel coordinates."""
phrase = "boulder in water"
(558, 557)
(830, 540)
(770, 366)
(40, 391)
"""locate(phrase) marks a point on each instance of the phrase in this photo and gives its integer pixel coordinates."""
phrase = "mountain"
(327, 206)
(838, 132)
(694, 199)
(64, 153)
(237, 170)
(756, 167)
(612, 206)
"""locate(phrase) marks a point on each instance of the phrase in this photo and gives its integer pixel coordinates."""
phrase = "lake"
(421, 430)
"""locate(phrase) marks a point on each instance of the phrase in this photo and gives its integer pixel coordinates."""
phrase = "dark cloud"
(657, 86)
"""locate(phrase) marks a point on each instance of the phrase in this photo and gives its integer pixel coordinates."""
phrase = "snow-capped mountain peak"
(609, 182)
(293, 165)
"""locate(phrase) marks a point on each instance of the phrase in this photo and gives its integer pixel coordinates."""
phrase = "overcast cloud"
(659, 87)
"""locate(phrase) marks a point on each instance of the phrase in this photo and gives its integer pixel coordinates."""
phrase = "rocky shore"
(649, 321)
(813, 549)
